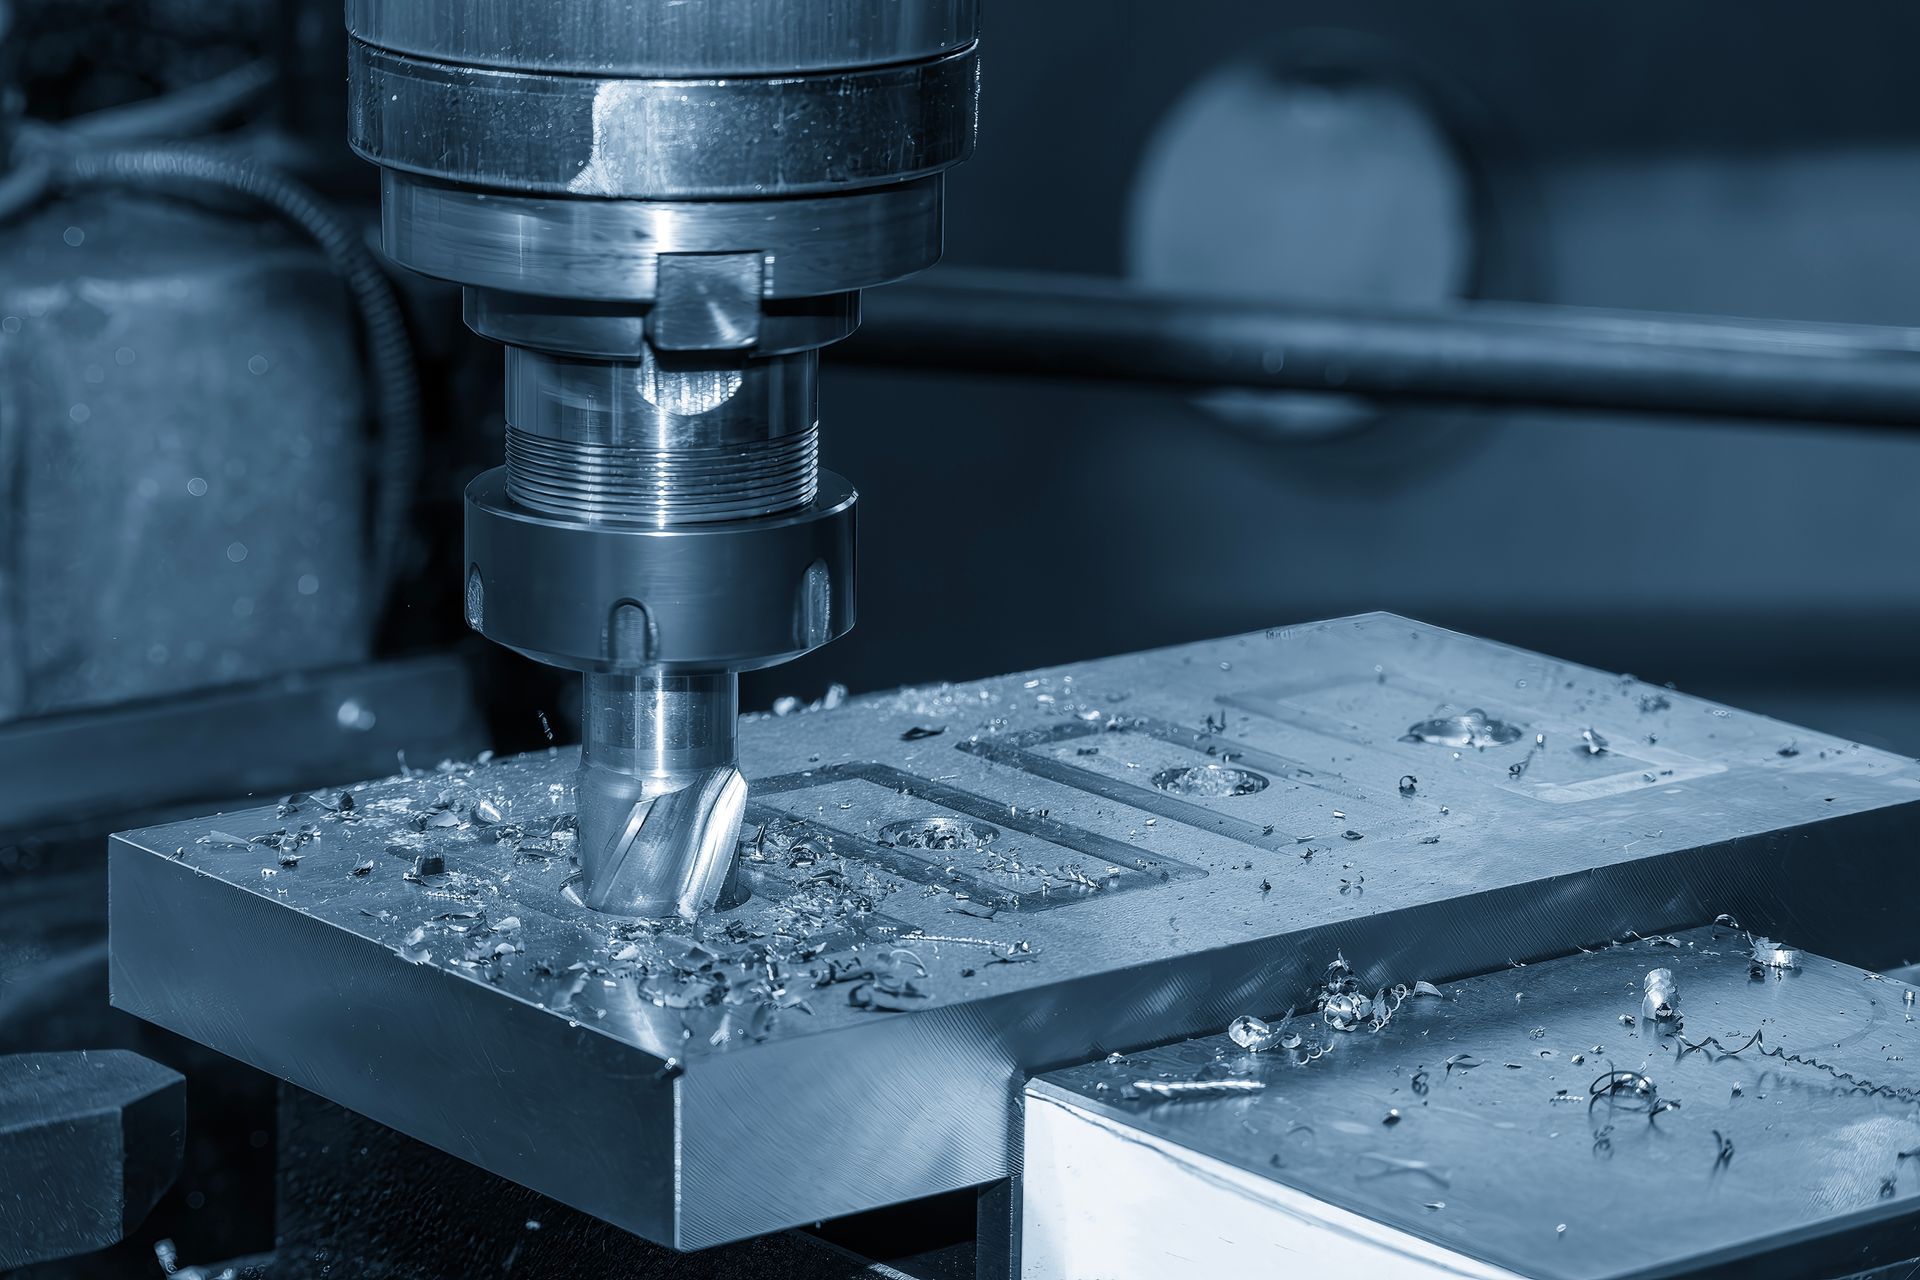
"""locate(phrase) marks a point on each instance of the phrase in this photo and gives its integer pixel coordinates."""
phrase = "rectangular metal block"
(1533, 1121)
(956, 887)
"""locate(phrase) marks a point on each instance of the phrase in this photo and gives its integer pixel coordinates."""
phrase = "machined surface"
(954, 887)
(739, 594)
(667, 37)
(663, 139)
(610, 250)
(664, 440)
(634, 484)
(1489, 1124)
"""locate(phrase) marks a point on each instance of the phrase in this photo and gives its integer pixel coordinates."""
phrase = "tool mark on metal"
(1556, 773)
(870, 927)
(1136, 869)
(1017, 751)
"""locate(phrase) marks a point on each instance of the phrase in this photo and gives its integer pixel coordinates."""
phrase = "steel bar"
(1018, 324)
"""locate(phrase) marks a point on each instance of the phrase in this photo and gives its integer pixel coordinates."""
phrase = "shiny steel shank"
(663, 211)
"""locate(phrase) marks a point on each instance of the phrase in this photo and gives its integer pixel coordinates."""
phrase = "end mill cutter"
(663, 211)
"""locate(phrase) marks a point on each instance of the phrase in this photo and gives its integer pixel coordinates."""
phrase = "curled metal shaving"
(1773, 955)
(1756, 1043)
(1661, 1002)
(1628, 1090)
(1253, 1034)
(1345, 1007)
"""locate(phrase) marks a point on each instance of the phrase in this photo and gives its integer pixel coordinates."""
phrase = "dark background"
(1753, 160)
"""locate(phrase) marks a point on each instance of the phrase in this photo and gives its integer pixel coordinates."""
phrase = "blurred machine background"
(230, 500)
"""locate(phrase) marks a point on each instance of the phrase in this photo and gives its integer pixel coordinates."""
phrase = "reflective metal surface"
(661, 399)
(855, 1032)
(773, 135)
(659, 800)
(666, 37)
(611, 249)
(1526, 1122)
(736, 594)
(620, 331)
(666, 440)
(662, 487)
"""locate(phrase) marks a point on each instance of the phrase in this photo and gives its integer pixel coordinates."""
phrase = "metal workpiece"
(668, 37)
(88, 1143)
(950, 888)
(1526, 1122)
(776, 134)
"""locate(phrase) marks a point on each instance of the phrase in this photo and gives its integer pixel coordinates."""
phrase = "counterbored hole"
(1474, 728)
(938, 833)
(1209, 781)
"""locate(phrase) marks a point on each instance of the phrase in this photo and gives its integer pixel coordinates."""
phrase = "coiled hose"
(389, 350)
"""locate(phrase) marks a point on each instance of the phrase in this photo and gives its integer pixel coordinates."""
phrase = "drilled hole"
(940, 834)
(1209, 781)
